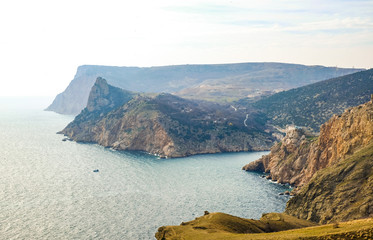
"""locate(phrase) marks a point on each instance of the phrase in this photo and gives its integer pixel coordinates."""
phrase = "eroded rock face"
(343, 190)
(166, 125)
(340, 192)
(288, 158)
(299, 156)
(334, 172)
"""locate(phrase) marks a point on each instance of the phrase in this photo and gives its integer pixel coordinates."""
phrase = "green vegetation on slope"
(314, 104)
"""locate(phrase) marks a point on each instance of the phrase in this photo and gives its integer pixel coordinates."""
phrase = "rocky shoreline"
(166, 125)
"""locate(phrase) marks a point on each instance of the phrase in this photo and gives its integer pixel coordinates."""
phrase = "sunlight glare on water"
(49, 189)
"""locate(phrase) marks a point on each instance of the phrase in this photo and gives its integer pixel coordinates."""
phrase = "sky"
(42, 42)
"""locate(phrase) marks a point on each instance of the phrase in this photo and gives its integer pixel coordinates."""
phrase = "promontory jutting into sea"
(161, 152)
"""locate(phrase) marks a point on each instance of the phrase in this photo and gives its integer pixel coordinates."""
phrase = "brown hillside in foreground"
(226, 227)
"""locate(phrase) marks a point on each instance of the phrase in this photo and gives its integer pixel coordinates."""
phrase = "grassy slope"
(223, 226)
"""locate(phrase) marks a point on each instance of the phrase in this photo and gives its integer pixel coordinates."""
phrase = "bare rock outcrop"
(333, 172)
(300, 155)
(287, 159)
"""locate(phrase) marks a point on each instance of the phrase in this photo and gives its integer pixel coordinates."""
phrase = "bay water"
(48, 189)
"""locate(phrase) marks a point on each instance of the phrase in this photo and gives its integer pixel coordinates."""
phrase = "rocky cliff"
(334, 170)
(289, 160)
(338, 193)
(300, 155)
(219, 82)
(166, 125)
(344, 189)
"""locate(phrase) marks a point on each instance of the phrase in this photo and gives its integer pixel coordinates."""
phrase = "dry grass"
(219, 226)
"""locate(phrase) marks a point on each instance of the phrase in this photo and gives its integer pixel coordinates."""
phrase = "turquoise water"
(49, 190)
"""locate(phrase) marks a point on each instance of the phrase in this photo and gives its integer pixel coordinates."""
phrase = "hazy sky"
(42, 42)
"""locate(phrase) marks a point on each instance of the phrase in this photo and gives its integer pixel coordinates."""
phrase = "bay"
(49, 190)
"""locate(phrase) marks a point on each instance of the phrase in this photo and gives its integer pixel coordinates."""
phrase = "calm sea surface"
(48, 189)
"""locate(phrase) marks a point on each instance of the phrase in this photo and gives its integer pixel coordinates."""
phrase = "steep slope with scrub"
(168, 126)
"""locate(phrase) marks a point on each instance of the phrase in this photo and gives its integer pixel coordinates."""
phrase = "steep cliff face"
(334, 170)
(166, 125)
(299, 156)
(288, 159)
(344, 189)
(103, 99)
(340, 192)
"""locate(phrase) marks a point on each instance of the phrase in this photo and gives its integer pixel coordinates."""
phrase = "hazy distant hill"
(313, 104)
(222, 82)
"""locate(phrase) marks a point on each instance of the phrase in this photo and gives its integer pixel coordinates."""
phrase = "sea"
(49, 190)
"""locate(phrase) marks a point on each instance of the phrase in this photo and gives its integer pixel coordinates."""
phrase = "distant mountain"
(166, 125)
(314, 104)
(219, 82)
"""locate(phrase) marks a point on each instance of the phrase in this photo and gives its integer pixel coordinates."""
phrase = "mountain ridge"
(312, 105)
(175, 78)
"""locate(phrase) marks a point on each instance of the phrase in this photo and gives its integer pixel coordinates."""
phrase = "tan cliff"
(300, 155)
(341, 192)
(287, 160)
(333, 172)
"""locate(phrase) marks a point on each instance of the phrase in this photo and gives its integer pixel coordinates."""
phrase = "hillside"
(272, 226)
(218, 82)
(314, 104)
(167, 125)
